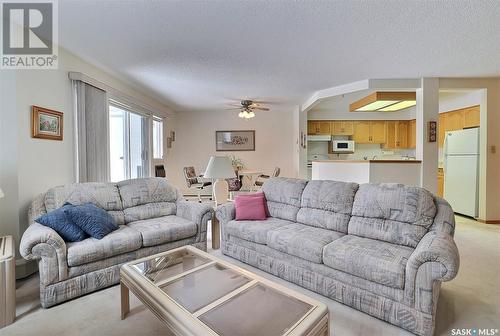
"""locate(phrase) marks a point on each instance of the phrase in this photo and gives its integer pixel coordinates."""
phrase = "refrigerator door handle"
(445, 152)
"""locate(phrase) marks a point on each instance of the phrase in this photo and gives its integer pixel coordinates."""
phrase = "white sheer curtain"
(92, 124)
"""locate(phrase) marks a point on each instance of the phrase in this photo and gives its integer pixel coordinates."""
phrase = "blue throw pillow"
(95, 221)
(62, 224)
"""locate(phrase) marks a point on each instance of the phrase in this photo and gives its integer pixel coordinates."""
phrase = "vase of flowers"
(237, 163)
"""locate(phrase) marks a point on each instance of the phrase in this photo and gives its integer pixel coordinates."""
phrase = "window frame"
(147, 147)
(161, 120)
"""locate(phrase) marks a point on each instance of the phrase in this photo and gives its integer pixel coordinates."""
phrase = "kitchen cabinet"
(440, 191)
(457, 120)
(319, 127)
(369, 132)
(361, 132)
(397, 134)
(412, 134)
(342, 128)
(450, 121)
(471, 117)
(454, 121)
(377, 131)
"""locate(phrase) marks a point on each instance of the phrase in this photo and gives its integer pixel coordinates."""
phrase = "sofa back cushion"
(391, 212)
(147, 198)
(103, 195)
(327, 204)
(283, 196)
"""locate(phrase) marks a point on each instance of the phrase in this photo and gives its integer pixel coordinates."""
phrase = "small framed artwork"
(432, 131)
(46, 124)
(229, 141)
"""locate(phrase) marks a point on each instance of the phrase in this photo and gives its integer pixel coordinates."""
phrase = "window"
(128, 144)
(157, 138)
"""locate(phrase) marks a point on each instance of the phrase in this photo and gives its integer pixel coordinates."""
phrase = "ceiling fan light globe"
(251, 115)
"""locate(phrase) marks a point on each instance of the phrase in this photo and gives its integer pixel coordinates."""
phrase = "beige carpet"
(472, 300)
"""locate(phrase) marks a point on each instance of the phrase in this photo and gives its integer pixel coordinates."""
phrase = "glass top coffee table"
(194, 293)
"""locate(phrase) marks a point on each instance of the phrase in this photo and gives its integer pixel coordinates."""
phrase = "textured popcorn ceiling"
(199, 54)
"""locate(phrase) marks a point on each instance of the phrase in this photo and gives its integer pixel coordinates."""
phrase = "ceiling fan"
(247, 108)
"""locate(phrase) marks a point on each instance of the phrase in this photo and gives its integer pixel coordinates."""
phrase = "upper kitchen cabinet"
(369, 132)
(397, 134)
(454, 121)
(319, 127)
(471, 117)
(457, 120)
(342, 128)
(377, 131)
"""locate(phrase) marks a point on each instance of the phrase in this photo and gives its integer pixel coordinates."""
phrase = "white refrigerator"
(461, 171)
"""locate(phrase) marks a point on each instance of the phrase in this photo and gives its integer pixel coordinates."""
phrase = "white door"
(460, 183)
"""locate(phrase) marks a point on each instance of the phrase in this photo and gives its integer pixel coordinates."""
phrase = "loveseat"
(152, 218)
(383, 249)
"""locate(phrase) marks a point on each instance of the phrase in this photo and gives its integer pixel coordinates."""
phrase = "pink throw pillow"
(250, 207)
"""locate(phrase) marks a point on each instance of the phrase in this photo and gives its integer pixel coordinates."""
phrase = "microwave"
(343, 146)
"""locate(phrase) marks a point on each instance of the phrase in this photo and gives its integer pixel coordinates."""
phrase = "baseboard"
(489, 221)
(25, 268)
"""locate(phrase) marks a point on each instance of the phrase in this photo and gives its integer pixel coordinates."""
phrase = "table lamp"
(220, 168)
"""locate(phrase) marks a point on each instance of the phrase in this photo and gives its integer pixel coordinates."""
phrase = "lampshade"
(1, 194)
(219, 167)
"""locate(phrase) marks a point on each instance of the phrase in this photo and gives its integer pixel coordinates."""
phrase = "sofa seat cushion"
(370, 259)
(156, 231)
(301, 241)
(117, 242)
(255, 230)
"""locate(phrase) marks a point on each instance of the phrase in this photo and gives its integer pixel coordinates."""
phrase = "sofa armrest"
(225, 212)
(44, 244)
(199, 213)
(435, 247)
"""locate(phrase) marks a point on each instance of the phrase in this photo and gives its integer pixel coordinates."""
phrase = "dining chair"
(234, 184)
(260, 183)
(193, 181)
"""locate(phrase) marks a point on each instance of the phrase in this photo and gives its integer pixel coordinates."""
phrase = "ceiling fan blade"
(266, 101)
(232, 108)
(260, 108)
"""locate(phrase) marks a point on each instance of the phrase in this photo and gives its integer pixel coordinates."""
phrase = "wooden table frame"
(215, 233)
(182, 322)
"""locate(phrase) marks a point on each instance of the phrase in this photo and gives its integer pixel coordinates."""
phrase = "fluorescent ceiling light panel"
(377, 105)
(399, 106)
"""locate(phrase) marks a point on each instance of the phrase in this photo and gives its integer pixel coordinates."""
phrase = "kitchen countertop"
(368, 161)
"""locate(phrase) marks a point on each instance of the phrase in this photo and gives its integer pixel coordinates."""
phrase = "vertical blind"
(92, 133)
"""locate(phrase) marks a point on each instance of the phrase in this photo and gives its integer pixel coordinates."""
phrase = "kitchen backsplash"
(361, 151)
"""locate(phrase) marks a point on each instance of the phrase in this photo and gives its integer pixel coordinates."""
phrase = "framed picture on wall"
(229, 141)
(46, 124)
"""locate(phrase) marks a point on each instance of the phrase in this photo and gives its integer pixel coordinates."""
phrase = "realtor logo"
(29, 34)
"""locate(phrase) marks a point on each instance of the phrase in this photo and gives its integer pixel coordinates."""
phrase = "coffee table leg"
(215, 233)
(125, 299)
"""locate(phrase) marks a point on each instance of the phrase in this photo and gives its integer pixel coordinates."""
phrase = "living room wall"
(31, 166)
(195, 141)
